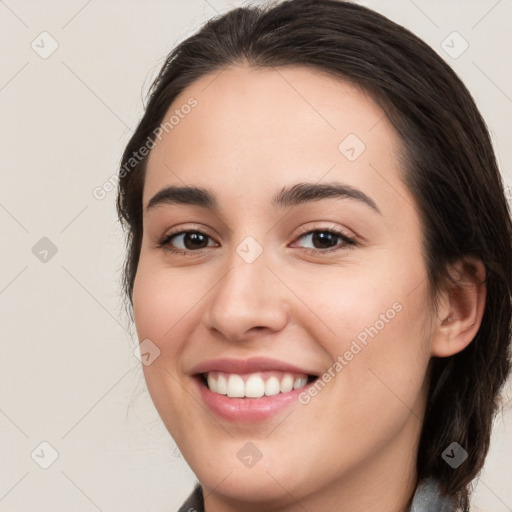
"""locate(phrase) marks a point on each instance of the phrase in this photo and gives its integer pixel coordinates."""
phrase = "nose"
(248, 301)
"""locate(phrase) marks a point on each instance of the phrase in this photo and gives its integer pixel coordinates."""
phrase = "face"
(286, 301)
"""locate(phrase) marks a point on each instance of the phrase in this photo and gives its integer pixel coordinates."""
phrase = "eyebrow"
(299, 193)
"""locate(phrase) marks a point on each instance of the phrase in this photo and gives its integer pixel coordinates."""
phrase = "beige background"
(67, 373)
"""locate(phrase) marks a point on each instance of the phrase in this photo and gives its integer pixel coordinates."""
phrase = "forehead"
(260, 129)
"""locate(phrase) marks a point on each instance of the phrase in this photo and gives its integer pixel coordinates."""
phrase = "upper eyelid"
(305, 231)
(318, 226)
(334, 228)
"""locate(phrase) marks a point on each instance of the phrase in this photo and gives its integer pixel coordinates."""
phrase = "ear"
(461, 308)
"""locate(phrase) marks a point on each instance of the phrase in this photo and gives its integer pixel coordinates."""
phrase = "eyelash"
(348, 242)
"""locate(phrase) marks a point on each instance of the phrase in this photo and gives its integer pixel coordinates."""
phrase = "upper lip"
(244, 366)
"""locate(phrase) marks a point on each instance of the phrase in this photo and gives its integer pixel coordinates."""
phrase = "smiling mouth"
(254, 385)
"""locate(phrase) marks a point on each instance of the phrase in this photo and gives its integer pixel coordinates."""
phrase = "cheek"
(164, 300)
(163, 309)
(379, 341)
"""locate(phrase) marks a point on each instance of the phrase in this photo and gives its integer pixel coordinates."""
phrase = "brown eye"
(326, 240)
(192, 240)
(186, 241)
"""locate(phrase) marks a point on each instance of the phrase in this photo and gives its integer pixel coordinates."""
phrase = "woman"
(319, 264)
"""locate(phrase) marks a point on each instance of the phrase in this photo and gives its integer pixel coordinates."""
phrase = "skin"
(353, 446)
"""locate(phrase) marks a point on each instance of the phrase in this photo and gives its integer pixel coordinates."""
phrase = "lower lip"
(247, 410)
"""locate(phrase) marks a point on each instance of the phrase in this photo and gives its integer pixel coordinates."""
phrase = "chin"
(250, 486)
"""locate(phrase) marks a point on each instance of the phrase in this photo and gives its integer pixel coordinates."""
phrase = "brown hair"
(448, 164)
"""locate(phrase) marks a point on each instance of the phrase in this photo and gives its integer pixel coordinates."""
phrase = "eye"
(327, 240)
(185, 242)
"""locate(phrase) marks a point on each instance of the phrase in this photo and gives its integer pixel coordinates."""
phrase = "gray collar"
(427, 498)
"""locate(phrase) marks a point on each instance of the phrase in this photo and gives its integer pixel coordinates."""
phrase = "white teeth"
(287, 383)
(222, 385)
(236, 387)
(300, 382)
(212, 383)
(254, 385)
(272, 386)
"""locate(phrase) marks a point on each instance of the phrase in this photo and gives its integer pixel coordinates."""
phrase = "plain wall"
(68, 376)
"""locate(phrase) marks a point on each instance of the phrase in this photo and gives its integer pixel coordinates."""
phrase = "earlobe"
(461, 308)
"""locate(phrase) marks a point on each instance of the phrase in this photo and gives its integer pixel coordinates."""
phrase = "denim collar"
(427, 498)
